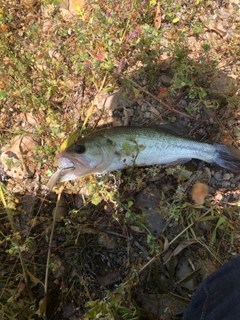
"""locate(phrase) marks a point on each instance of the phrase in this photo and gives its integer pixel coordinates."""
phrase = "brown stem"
(154, 97)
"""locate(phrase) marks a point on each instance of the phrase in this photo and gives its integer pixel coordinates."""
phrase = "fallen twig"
(154, 97)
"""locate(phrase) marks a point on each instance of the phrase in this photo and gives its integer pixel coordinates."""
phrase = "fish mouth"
(70, 167)
(64, 163)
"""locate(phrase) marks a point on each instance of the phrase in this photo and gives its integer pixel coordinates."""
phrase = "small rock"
(129, 111)
(78, 201)
(61, 213)
(231, 123)
(117, 122)
(211, 121)
(57, 266)
(154, 110)
(183, 270)
(236, 178)
(226, 176)
(148, 201)
(183, 103)
(106, 242)
(110, 277)
(143, 105)
(226, 184)
(27, 202)
(166, 80)
(109, 101)
(205, 177)
(211, 190)
(162, 305)
(223, 84)
(218, 176)
(68, 311)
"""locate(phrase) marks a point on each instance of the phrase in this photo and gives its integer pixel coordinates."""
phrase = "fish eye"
(79, 149)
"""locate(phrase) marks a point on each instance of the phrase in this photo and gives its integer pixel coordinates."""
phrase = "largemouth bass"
(119, 147)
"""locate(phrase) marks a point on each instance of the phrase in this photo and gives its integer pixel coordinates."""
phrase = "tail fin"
(227, 157)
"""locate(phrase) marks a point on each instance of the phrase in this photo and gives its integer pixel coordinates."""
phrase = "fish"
(115, 148)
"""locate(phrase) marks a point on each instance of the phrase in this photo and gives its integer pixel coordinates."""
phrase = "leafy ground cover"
(132, 244)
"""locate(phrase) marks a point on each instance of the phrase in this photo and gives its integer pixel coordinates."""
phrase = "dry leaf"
(183, 245)
(166, 244)
(34, 279)
(20, 288)
(180, 248)
(199, 192)
(163, 93)
(158, 18)
(136, 229)
(42, 307)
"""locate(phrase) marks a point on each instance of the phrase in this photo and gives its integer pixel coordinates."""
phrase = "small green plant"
(116, 305)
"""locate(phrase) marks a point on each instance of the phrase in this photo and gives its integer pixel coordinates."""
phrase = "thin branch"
(50, 245)
(154, 97)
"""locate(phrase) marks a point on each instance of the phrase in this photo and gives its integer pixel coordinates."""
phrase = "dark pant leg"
(218, 296)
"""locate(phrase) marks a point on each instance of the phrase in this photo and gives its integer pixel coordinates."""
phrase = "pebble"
(211, 121)
(226, 184)
(236, 178)
(129, 111)
(231, 123)
(154, 110)
(109, 101)
(106, 242)
(166, 80)
(117, 122)
(218, 176)
(202, 132)
(144, 106)
(183, 103)
(226, 176)
(60, 214)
